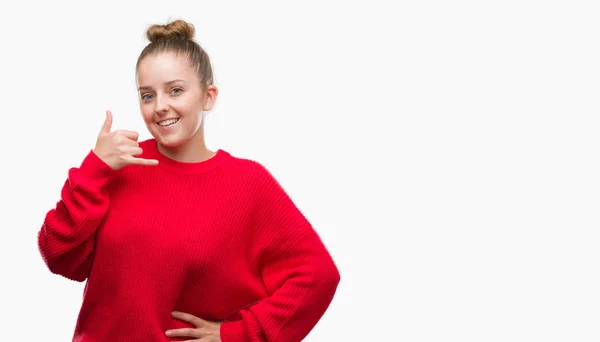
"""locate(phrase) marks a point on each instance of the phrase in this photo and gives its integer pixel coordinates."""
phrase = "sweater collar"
(150, 148)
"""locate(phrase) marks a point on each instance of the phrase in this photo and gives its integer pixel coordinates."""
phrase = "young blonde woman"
(178, 242)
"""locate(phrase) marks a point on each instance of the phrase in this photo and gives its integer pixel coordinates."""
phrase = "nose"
(161, 105)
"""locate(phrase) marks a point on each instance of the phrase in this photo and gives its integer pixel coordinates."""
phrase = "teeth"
(168, 122)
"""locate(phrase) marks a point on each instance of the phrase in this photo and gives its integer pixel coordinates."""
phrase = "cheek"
(147, 112)
(194, 107)
(189, 104)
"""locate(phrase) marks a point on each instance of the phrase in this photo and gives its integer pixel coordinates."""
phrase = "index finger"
(133, 135)
(196, 321)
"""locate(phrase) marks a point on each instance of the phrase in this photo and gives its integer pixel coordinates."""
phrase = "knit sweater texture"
(219, 239)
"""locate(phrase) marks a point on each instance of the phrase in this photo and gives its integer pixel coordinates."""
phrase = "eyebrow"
(166, 83)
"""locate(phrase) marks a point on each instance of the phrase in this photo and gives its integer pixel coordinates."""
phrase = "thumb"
(107, 123)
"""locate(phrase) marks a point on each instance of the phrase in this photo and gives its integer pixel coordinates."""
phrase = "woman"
(178, 242)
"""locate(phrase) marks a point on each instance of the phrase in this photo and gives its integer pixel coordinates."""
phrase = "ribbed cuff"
(232, 331)
(95, 168)
(240, 331)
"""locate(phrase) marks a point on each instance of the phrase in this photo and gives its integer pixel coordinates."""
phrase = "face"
(172, 100)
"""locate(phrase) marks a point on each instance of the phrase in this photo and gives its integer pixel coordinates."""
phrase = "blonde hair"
(178, 37)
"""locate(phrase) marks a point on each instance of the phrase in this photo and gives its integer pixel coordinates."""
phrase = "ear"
(211, 97)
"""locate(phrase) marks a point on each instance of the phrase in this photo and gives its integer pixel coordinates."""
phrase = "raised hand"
(119, 148)
(205, 331)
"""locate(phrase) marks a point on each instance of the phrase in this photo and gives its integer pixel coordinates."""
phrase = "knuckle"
(189, 332)
(116, 139)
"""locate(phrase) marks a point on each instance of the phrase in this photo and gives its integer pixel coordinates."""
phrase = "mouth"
(168, 122)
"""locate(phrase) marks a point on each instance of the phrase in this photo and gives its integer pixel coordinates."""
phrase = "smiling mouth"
(168, 122)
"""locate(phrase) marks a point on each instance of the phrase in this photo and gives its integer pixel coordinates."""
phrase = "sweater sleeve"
(66, 238)
(297, 270)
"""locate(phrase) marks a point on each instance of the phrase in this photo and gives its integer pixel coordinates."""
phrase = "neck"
(192, 151)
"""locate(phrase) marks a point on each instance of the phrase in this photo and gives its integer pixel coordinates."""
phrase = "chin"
(170, 141)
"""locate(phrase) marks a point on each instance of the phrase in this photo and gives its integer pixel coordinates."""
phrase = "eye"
(176, 91)
(146, 97)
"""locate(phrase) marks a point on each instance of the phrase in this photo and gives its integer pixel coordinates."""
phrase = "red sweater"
(218, 239)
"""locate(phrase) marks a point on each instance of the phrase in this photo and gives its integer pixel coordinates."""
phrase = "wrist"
(94, 167)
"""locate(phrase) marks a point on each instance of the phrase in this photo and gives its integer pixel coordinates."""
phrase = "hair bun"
(176, 29)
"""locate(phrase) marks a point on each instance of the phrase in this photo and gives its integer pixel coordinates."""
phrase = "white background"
(446, 151)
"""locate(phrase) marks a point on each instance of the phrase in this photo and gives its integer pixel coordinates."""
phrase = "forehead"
(164, 67)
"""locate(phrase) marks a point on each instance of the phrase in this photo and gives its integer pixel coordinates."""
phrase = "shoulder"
(250, 166)
(252, 171)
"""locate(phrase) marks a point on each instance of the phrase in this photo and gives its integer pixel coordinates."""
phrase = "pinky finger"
(142, 161)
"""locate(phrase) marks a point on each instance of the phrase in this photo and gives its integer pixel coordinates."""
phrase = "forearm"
(306, 280)
(65, 239)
